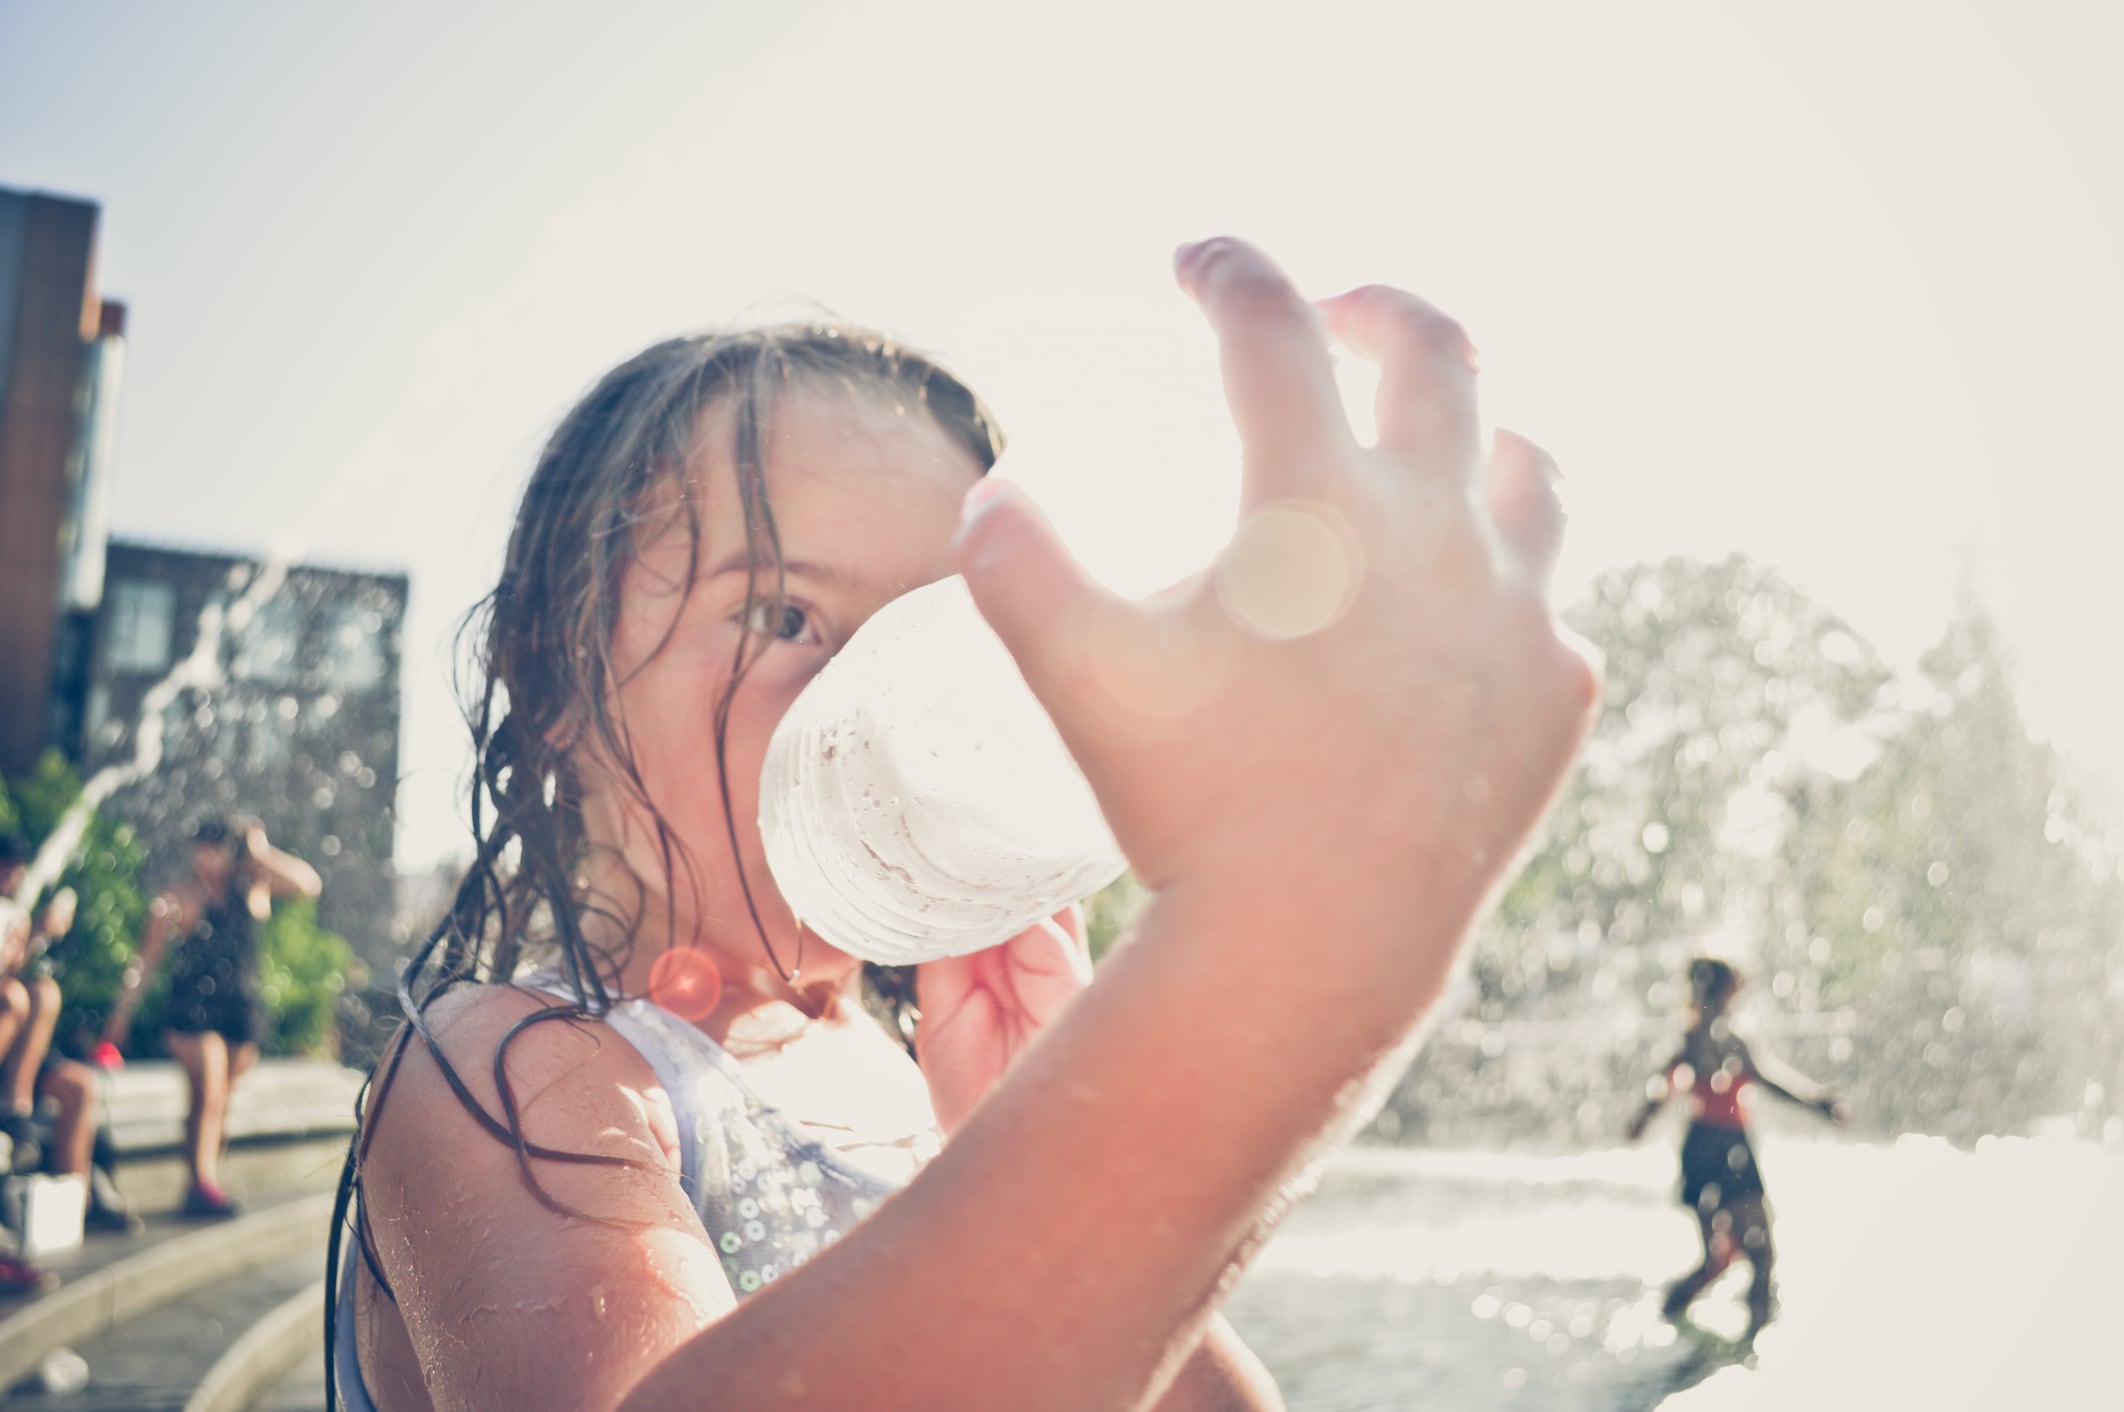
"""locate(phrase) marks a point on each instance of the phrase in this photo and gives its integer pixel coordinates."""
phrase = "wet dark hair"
(212, 832)
(1711, 982)
(541, 673)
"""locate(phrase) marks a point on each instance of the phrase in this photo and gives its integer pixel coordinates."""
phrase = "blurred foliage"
(1931, 917)
(302, 967)
(105, 877)
(1111, 911)
(1959, 891)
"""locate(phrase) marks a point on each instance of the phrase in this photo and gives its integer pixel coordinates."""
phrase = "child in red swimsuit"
(1720, 1182)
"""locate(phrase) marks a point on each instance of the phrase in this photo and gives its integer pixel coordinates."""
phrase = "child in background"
(1720, 1182)
(641, 1146)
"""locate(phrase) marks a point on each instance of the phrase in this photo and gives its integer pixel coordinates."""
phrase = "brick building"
(61, 353)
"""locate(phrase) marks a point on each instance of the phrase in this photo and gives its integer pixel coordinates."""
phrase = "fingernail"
(1184, 261)
(981, 498)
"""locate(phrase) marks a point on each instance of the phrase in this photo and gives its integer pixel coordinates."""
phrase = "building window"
(354, 646)
(267, 644)
(139, 620)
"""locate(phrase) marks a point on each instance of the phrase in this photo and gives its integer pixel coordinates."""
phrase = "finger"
(1426, 404)
(1521, 487)
(1076, 954)
(1278, 379)
(1047, 610)
(942, 986)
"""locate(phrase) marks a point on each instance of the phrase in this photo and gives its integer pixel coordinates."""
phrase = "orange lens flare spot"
(686, 983)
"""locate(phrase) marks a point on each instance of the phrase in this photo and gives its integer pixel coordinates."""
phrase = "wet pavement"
(1910, 1275)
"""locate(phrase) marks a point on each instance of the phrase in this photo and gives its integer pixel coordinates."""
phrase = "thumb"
(1035, 595)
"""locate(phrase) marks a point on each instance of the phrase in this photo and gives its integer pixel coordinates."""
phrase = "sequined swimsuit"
(769, 1195)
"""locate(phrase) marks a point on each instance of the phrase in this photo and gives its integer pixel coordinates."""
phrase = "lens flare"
(685, 982)
(1291, 570)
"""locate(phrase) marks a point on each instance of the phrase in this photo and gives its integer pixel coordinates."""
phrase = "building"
(287, 710)
(211, 681)
(61, 355)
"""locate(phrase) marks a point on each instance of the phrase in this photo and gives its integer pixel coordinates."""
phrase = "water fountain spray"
(201, 668)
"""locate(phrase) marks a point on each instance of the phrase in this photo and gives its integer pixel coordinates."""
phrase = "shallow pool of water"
(1910, 1275)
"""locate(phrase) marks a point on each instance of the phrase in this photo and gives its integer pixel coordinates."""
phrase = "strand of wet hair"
(761, 533)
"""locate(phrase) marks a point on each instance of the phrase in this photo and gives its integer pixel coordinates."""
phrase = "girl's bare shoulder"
(574, 1085)
(516, 1234)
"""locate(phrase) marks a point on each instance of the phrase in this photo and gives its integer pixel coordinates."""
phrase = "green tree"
(1724, 683)
(1959, 898)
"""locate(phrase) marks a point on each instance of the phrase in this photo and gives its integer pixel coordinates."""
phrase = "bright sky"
(1835, 285)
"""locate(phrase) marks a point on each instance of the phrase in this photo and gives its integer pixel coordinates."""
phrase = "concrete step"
(144, 1104)
(113, 1281)
(288, 1126)
(210, 1315)
(302, 1389)
(286, 1339)
(257, 1171)
(160, 1360)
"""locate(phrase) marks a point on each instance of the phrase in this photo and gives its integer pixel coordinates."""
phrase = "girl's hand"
(1341, 734)
(979, 1012)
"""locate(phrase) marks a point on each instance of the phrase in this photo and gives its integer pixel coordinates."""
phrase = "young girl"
(215, 1019)
(1720, 1182)
(640, 1145)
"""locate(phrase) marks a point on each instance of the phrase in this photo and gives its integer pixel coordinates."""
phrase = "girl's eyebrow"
(831, 574)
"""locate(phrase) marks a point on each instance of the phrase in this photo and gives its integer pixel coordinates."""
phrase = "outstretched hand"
(979, 1012)
(1357, 715)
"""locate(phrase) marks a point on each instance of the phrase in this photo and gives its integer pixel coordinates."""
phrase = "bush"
(105, 877)
(302, 968)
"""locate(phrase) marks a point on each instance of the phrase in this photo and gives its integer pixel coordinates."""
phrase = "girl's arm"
(1658, 1089)
(284, 873)
(979, 1013)
(1791, 1085)
(1222, 1375)
(1378, 706)
(164, 913)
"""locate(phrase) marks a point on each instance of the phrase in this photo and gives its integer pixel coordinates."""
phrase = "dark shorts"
(1718, 1167)
(209, 1003)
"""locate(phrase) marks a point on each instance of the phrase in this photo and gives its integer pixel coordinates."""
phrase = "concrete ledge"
(266, 1353)
(95, 1303)
(144, 1104)
(255, 1174)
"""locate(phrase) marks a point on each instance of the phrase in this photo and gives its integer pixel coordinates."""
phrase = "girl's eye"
(784, 621)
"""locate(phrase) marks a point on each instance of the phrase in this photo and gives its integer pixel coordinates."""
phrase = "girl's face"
(865, 501)
(212, 863)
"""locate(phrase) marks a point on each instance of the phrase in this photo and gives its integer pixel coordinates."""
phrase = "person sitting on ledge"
(30, 1071)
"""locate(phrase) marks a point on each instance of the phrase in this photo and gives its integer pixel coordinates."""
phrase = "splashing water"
(200, 669)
